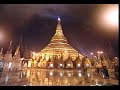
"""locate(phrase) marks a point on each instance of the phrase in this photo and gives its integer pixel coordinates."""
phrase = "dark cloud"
(24, 11)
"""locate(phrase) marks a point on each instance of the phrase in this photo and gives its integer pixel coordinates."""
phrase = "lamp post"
(99, 54)
(91, 55)
(102, 54)
(116, 58)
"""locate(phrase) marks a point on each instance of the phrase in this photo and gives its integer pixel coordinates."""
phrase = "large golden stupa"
(59, 46)
(57, 49)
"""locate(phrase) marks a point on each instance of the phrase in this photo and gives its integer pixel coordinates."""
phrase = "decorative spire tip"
(59, 18)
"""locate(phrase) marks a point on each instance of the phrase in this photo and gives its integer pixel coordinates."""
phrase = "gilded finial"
(59, 18)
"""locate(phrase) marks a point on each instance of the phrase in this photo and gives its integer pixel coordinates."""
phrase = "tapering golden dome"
(59, 45)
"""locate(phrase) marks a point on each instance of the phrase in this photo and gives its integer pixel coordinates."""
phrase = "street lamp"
(102, 53)
(99, 53)
(91, 53)
(115, 57)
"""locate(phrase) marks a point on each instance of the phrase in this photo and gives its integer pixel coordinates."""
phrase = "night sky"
(37, 23)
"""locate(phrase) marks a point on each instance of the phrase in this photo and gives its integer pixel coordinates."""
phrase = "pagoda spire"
(59, 36)
(58, 28)
(26, 51)
(59, 18)
(10, 48)
(17, 50)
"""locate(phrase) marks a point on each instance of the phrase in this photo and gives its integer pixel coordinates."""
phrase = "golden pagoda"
(57, 48)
